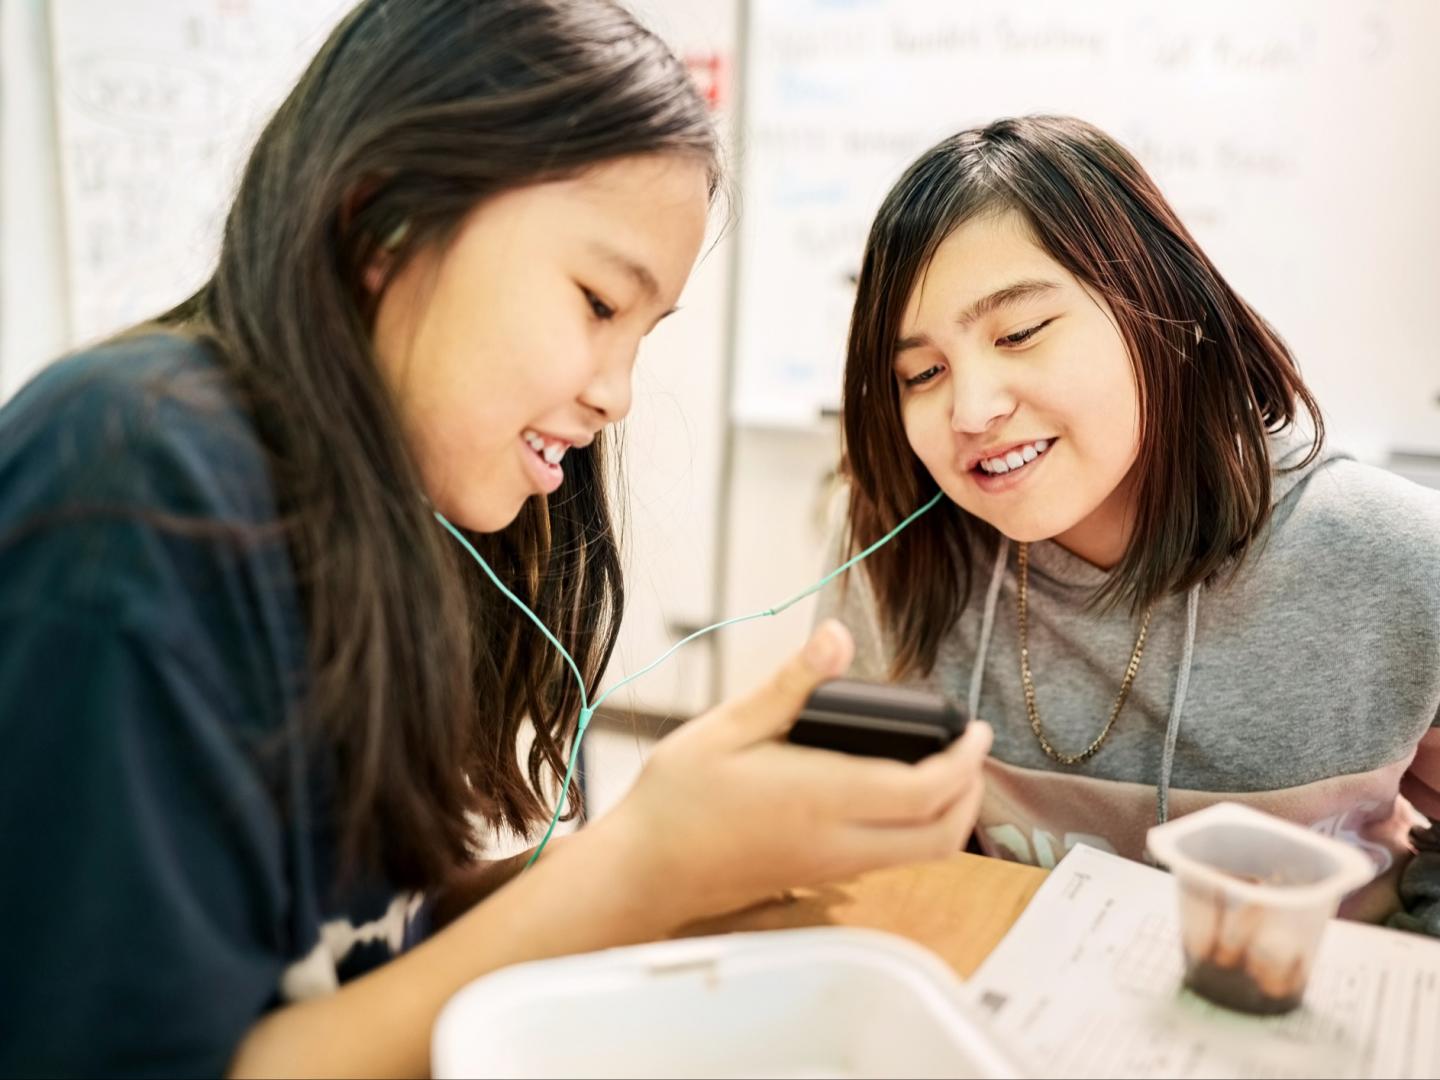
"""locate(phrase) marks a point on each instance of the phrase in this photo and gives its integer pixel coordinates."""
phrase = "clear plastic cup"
(1255, 895)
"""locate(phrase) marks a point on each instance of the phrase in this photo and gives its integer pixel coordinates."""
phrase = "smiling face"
(1017, 391)
(516, 341)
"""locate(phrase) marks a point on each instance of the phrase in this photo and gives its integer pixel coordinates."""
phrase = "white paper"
(1087, 984)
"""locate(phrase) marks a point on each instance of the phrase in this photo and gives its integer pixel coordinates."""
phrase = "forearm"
(483, 881)
(579, 898)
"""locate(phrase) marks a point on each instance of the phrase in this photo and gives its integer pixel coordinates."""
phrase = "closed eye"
(1020, 337)
(598, 307)
(924, 376)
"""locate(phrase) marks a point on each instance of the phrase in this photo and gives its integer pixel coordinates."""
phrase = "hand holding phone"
(877, 720)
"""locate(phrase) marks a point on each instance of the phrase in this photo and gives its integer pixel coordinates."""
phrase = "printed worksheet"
(1088, 984)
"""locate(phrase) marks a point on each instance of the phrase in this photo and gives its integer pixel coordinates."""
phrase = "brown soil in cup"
(1236, 988)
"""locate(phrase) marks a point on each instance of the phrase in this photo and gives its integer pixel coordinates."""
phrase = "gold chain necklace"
(1034, 713)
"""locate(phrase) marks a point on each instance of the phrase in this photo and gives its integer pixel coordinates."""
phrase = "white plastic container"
(822, 1002)
(1255, 894)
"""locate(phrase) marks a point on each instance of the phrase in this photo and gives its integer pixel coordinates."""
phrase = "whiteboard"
(157, 106)
(1298, 139)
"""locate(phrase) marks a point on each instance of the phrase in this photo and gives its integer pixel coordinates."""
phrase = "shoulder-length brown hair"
(1214, 378)
(420, 674)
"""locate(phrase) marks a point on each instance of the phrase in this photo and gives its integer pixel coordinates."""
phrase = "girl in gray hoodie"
(1149, 574)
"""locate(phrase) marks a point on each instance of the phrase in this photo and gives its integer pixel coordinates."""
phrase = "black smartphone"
(877, 720)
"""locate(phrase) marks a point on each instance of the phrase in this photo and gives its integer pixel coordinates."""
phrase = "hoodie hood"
(1287, 450)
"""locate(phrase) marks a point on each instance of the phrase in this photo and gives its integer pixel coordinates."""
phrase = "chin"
(1023, 530)
(1025, 536)
(482, 515)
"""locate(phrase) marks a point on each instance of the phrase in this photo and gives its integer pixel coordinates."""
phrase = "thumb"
(769, 711)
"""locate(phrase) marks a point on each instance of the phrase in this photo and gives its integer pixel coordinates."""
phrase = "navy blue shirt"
(166, 840)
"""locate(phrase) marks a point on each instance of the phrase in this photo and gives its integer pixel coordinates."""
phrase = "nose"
(609, 393)
(981, 397)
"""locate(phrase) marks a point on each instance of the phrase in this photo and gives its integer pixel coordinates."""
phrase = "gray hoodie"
(1307, 685)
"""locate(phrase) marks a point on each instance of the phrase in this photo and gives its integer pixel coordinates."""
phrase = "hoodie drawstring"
(987, 625)
(1172, 728)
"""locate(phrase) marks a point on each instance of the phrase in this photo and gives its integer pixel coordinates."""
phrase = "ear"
(377, 270)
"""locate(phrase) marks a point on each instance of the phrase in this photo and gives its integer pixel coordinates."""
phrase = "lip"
(1000, 451)
(570, 441)
(997, 484)
(547, 478)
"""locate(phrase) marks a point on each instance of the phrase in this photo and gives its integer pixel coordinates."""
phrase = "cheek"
(1098, 401)
(926, 416)
(1118, 410)
(523, 376)
(508, 346)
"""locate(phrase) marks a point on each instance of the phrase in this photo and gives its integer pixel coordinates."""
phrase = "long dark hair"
(1214, 378)
(420, 675)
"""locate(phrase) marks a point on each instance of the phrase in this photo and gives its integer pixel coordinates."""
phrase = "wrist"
(631, 861)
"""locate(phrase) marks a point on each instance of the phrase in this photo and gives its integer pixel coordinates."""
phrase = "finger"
(921, 793)
(962, 817)
(870, 847)
(769, 711)
(848, 788)
(971, 749)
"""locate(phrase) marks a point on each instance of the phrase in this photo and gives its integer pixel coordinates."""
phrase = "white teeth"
(551, 452)
(1016, 458)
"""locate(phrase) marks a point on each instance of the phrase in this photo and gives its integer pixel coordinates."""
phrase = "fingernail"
(820, 649)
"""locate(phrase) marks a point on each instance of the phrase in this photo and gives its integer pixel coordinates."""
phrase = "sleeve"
(144, 893)
(1420, 882)
(144, 867)
(851, 599)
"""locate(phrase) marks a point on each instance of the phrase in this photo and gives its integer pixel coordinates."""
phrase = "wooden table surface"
(959, 908)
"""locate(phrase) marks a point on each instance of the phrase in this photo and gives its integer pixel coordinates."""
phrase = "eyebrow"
(642, 276)
(1014, 293)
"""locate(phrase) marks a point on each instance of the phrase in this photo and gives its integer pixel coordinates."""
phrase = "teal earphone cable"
(587, 710)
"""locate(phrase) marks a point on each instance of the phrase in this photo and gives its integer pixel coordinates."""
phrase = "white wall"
(675, 435)
(33, 320)
(775, 541)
